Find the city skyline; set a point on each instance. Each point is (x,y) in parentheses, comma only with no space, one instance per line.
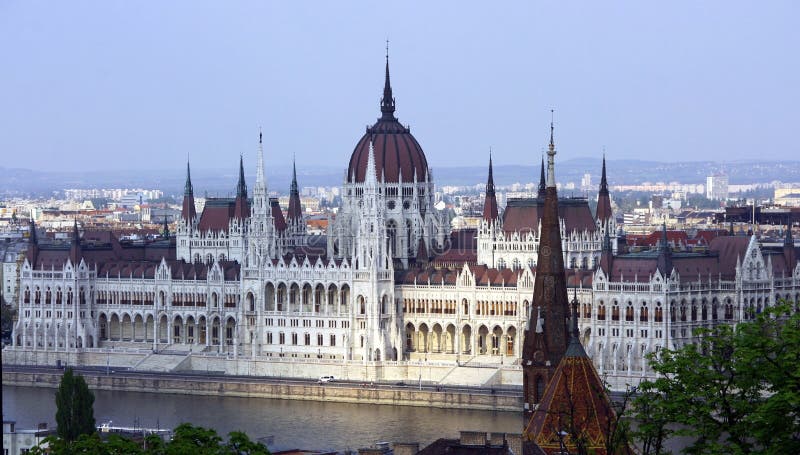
(650,83)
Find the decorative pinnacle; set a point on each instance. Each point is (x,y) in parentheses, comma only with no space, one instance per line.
(241,187)
(490,180)
(387,102)
(551,153)
(603,181)
(293,189)
(187,188)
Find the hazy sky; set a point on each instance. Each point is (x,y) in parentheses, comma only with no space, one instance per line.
(139,85)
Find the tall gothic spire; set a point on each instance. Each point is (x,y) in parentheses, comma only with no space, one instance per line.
(187,187)
(543,351)
(542,184)
(260,199)
(371,177)
(241,186)
(188,212)
(490,211)
(295,211)
(603,212)
(603,181)
(387,102)
(260,180)
(241,208)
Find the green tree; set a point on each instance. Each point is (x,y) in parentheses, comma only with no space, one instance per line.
(7,313)
(239,443)
(74,412)
(737,391)
(191,439)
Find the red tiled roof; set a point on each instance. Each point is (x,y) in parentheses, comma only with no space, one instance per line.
(523,215)
(216,215)
(396,152)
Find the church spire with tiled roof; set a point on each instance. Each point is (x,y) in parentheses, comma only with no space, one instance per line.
(542,350)
(575,412)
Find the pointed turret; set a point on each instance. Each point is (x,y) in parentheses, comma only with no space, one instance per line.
(75,245)
(188,212)
(543,351)
(371,178)
(490,212)
(295,211)
(260,201)
(241,186)
(241,209)
(603,199)
(542,184)
(387,101)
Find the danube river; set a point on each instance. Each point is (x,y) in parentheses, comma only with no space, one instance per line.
(292,424)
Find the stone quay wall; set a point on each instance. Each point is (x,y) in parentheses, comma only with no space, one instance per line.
(241,387)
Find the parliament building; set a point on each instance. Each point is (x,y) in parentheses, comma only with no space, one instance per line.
(391,281)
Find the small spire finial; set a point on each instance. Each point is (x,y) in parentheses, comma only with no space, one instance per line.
(551,153)
(259,135)
(387,49)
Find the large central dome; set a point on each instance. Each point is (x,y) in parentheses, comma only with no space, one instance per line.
(398,156)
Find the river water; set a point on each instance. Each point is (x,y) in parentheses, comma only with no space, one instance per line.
(293,424)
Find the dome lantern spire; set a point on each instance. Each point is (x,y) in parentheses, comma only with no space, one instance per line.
(387,102)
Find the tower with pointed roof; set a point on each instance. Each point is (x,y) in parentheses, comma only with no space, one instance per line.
(490,212)
(546,337)
(296,229)
(604,216)
(187,225)
(542,185)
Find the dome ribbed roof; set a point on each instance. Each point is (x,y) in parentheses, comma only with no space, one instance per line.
(397,152)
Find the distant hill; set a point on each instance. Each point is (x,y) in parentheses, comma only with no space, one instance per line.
(216,182)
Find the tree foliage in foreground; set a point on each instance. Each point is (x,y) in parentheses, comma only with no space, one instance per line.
(736,392)
(187,439)
(74,407)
